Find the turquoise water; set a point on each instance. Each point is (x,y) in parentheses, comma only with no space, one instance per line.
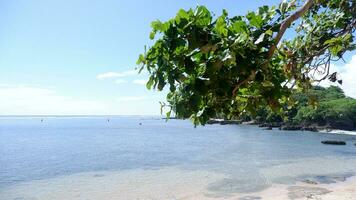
(252,159)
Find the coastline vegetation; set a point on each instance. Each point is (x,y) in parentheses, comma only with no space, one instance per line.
(330,109)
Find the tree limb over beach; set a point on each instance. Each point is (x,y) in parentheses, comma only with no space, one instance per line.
(234,65)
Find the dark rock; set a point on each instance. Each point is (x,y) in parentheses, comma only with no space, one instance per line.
(214,121)
(268,128)
(273,125)
(331,179)
(290,128)
(333,142)
(264,125)
(169,118)
(345,124)
(313,129)
(223,122)
(310,182)
(211,122)
(230,122)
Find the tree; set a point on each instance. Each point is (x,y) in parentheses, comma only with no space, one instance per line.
(337,113)
(234,65)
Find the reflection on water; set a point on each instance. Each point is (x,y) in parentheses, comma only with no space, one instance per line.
(235,158)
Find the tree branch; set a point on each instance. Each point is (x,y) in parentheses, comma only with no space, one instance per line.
(287,22)
(284,26)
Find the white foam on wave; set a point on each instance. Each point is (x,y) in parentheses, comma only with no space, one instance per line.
(340,132)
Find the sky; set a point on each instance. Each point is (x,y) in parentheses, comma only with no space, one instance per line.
(78,57)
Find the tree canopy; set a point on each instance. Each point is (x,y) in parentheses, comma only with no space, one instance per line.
(234,65)
(334,110)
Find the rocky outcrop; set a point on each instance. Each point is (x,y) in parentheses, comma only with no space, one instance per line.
(334,142)
(273,125)
(346,124)
(290,128)
(298,127)
(223,122)
(312,128)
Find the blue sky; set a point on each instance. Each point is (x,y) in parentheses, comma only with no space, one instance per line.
(77,57)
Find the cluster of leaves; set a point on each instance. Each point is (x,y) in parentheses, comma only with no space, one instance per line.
(222,64)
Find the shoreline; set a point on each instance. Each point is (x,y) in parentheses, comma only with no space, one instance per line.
(308,190)
(284,127)
(171,183)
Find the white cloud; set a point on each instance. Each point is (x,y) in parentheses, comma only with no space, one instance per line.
(139,81)
(109,75)
(18,100)
(119,81)
(347,73)
(37,100)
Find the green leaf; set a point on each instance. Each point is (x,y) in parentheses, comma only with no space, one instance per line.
(334,50)
(152,35)
(168,114)
(182,14)
(267,84)
(283,6)
(255,20)
(150,83)
(220,26)
(159,26)
(269,32)
(203,16)
(140,59)
(239,26)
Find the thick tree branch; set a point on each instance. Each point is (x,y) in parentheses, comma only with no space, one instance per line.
(287,22)
(284,26)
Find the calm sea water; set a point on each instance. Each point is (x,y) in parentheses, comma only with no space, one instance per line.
(251,158)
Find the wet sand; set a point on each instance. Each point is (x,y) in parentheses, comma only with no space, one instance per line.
(167,183)
(344,190)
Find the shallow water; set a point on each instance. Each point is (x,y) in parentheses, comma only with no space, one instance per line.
(240,158)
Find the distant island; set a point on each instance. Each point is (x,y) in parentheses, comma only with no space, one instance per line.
(317,109)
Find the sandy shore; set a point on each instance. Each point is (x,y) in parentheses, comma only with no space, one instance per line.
(163,184)
(344,190)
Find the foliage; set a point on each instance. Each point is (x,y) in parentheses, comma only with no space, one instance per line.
(333,109)
(339,113)
(224,64)
(333,106)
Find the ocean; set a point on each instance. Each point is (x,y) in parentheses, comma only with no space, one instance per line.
(94,155)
